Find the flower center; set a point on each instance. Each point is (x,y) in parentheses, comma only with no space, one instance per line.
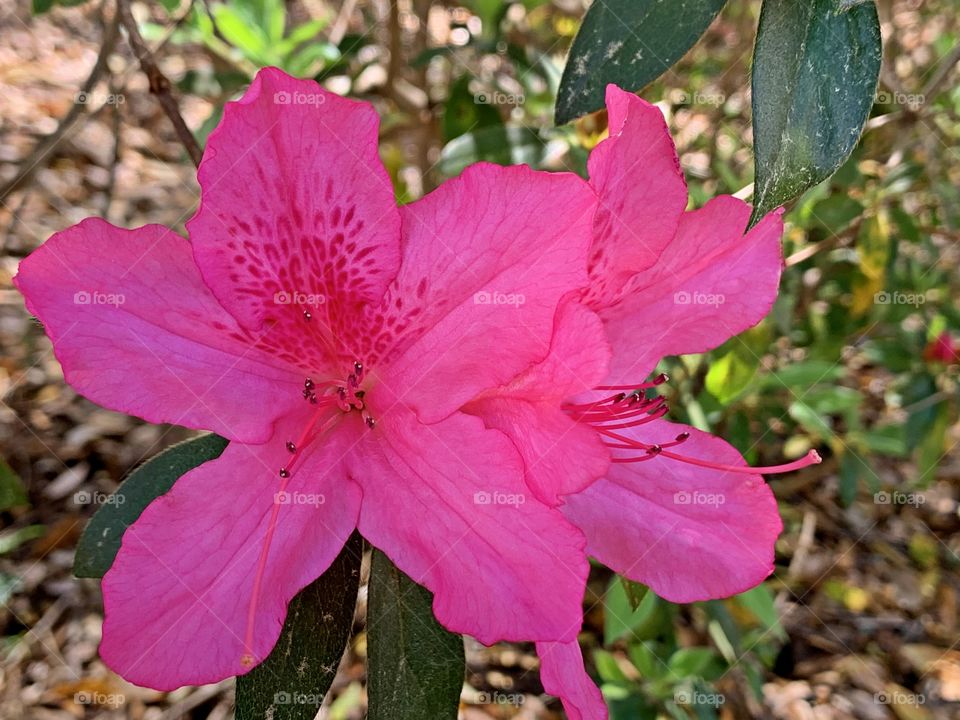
(629,407)
(333,400)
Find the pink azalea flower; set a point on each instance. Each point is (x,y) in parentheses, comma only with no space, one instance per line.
(333,339)
(676,509)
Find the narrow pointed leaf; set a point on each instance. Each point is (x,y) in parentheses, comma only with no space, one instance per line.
(292,682)
(815,70)
(415,666)
(630,43)
(100,541)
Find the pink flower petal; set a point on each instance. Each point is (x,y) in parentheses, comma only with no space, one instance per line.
(297,214)
(136,330)
(447,503)
(641,193)
(711,284)
(559,455)
(487,257)
(690,533)
(563,675)
(177,598)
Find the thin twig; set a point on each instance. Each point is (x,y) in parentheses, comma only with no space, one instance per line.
(42,150)
(159,83)
(941,74)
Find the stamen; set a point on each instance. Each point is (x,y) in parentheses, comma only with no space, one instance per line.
(633,409)
(811,458)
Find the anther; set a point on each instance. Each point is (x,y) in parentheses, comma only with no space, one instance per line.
(682,436)
(308,384)
(284,473)
(654,450)
(371,423)
(307,315)
(291,447)
(358,367)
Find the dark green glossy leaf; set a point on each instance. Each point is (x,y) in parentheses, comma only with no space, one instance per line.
(415,666)
(815,70)
(100,541)
(292,682)
(629,43)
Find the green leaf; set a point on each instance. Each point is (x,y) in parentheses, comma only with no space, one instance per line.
(731,374)
(497,144)
(760,602)
(629,43)
(815,70)
(934,447)
(292,682)
(12,492)
(689,662)
(415,666)
(620,617)
(100,541)
(10,541)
